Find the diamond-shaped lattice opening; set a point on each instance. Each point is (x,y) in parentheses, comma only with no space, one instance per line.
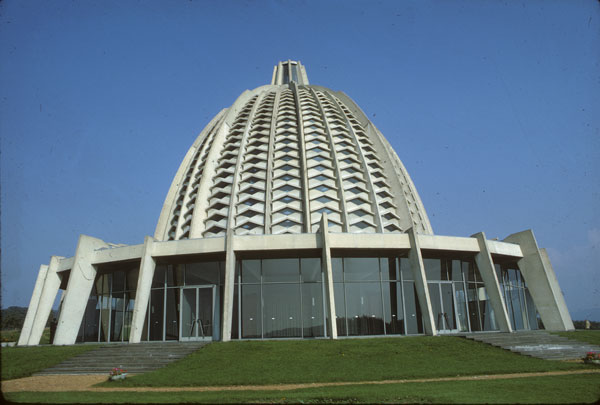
(324,199)
(358,201)
(360,213)
(362,225)
(392,228)
(216,217)
(321,177)
(318,158)
(287,177)
(214,229)
(287,199)
(348,161)
(253,180)
(286,141)
(384,194)
(287,149)
(289,211)
(220,195)
(251,201)
(287,167)
(350,170)
(287,188)
(287,158)
(324,209)
(389,216)
(345,152)
(317,150)
(249,226)
(355,190)
(249,214)
(386,204)
(320,168)
(323,188)
(288,223)
(353,180)
(315,141)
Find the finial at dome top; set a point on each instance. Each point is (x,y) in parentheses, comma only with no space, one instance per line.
(289,71)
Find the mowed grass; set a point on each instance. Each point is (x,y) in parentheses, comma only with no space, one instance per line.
(275,362)
(18,362)
(541,390)
(587,336)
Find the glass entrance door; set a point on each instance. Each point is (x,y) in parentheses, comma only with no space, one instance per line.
(443,305)
(197,305)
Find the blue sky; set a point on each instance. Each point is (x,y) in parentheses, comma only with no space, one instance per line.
(493,107)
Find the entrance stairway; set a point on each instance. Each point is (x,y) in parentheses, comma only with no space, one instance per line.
(135,358)
(538,344)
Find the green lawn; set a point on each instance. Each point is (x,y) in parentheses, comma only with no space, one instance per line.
(12,335)
(20,362)
(297,361)
(587,336)
(544,390)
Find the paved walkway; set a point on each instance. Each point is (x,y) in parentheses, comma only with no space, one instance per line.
(55,383)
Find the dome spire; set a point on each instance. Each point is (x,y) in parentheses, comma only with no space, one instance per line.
(289,71)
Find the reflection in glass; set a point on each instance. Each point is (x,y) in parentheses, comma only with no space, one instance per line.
(156,314)
(394,313)
(414,321)
(311,269)
(340,308)
(251,271)
(364,309)
(312,309)
(337,269)
(461,308)
(251,311)
(361,268)
(281,310)
(172,319)
(280,270)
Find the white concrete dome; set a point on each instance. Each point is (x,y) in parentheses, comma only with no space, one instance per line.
(281,156)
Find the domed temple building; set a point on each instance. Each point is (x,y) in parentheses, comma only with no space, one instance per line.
(292,217)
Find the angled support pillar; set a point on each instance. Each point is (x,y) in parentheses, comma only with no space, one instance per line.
(229,287)
(541,280)
(327,270)
(81,281)
(142,293)
(33,306)
(485,264)
(418,269)
(47,297)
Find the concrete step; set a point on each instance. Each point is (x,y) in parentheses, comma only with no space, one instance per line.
(538,344)
(135,358)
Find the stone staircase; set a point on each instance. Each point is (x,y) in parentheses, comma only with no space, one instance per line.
(538,344)
(135,358)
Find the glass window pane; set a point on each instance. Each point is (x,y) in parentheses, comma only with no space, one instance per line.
(281,270)
(311,269)
(159,276)
(250,271)
(414,321)
(337,269)
(312,309)
(281,310)
(157,305)
(389,268)
(104,317)
(405,269)
(295,73)
(364,309)
(433,269)
(473,303)
(361,268)
(118,281)
(436,307)
(91,319)
(202,273)
(531,311)
(251,311)
(461,307)
(340,308)
(117,315)
(172,322)
(456,270)
(236,313)
(132,279)
(175,275)
(392,303)
(487,313)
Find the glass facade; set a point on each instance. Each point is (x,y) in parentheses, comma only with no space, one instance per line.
(278,298)
(286,298)
(521,310)
(109,311)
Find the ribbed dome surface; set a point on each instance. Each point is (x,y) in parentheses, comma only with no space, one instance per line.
(282,155)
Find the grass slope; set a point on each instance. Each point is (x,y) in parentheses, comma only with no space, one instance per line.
(18,362)
(587,336)
(541,390)
(273,362)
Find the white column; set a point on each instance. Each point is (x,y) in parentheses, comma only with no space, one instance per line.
(327,270)
(485,264)
(541,280)
(47,297)
(418,269)
(142,292)
(33,306)
(81,281)
(229,286)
